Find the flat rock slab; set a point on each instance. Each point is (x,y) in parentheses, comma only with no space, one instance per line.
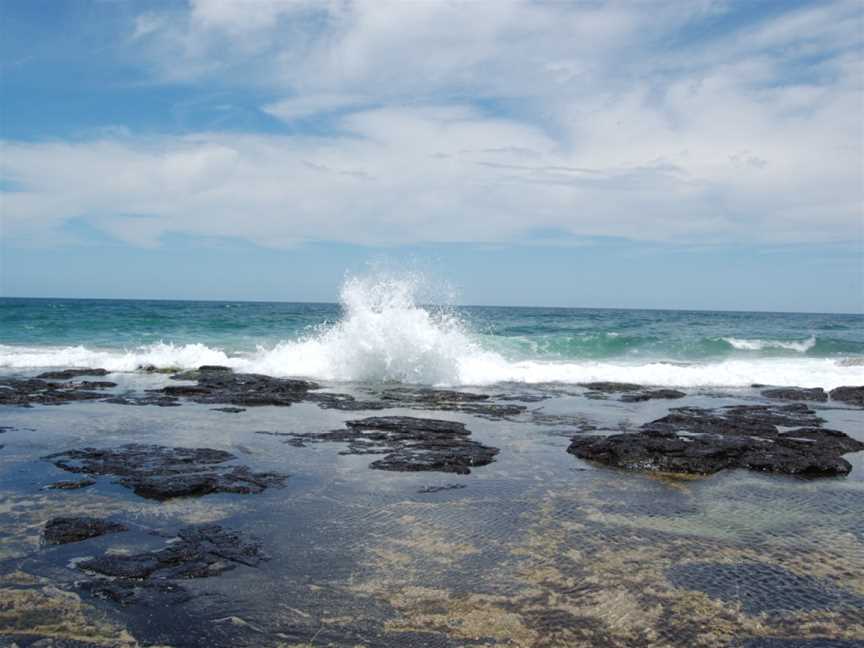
(758,420)
(851,395)
(68,374)
(420,398)
(703,441)
(220,385)
(797,394)
(629,392)
(63,530)
(407,443)
(160,472)
(73,484)
(149,578)
(709,453)
(35,391)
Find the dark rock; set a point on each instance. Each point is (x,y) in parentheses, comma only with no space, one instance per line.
(229,410)
(71,485)
(197,552)
(159,472)
(449,401)
(830,439)
(758,420)
(408,444)
(93,384)
(652,394)
(425,395)
(147,578)
(66,374)
(796,393)
(26,392)
(158,400)
(809,453)
(439,489)
(703,441)
(221,386)
(62,530)
(345,402)
(611,387)
(126,592)
(851,395)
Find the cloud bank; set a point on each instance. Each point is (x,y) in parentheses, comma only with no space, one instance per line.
(414,122)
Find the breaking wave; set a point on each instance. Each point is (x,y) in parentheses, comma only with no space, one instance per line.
(386,335)
(801,346)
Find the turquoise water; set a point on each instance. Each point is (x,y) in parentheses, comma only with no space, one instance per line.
(381,332)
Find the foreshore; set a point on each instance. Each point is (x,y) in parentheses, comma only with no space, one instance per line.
(213,508)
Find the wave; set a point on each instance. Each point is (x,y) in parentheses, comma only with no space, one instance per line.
(440,366)
(760,345)
(384,335)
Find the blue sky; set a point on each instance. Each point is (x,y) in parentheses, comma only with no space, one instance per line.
(634,154)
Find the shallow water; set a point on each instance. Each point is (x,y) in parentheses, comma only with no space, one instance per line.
(538,548)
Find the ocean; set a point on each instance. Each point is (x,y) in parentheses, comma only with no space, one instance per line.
(382,332)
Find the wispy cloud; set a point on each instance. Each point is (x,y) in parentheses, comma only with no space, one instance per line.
(475,121)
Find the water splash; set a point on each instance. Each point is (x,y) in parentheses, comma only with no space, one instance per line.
(384,335)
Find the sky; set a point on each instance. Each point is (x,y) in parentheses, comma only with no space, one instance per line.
(651,153)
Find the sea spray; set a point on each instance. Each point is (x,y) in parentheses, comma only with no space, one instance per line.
(384,336)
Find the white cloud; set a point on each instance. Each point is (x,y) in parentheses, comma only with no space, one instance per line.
(478,121)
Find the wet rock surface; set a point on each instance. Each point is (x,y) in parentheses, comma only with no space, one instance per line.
(796,393)
(760,587)
(736,419)
(68,374)
(702,441)
(160,472)
(35,391)
(628,392)
(63,530)
(73,484)
(139,400)
(408,444)
(220,385)
(851,395)
(150,577)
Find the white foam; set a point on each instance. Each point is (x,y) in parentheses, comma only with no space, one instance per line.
(385,335)
(162,355)
(758,345)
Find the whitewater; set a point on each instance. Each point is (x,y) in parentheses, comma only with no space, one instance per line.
(382,332)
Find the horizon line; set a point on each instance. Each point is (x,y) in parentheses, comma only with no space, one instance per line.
(336,303)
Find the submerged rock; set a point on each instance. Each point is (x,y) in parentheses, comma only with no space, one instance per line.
(762,588)
(796,393)
(851,395)
(652,394)
(158,400)
(408,444)
(147,578)
(629,392)
(63,530)
(159,472)
(71,485)
(697,440)
(611,387)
